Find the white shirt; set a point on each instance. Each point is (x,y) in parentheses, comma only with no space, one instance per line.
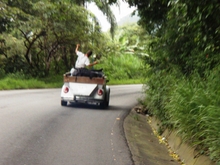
(82,60)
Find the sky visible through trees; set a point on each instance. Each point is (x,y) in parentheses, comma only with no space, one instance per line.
(119,13)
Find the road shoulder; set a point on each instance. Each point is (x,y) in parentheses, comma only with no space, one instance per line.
(144,145)
(148,148)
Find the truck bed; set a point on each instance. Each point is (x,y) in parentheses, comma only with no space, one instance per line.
(81,79)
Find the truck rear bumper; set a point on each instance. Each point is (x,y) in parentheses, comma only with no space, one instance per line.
(82,99)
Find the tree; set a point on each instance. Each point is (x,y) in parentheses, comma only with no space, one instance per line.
(50,35)
(55,31)
(187,32)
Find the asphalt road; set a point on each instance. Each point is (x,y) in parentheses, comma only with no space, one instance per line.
(36,130)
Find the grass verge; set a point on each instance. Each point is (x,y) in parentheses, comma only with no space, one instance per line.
(9,83)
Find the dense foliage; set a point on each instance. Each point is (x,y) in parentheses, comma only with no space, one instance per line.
(38,40)
(187,33)
(184,58)
(39,36)
(125,61)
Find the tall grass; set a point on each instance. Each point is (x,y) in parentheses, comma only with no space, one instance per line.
(158,88)
(194,110)
(191,106)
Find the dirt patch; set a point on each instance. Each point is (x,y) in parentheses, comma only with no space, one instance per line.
(148,148)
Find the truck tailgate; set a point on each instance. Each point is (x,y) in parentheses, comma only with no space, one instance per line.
(81,88)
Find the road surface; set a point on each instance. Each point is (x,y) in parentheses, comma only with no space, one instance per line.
(36,130)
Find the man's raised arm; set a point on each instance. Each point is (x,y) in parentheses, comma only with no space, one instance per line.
(77,47)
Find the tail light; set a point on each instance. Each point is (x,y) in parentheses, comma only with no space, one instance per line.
(66,90)
(100,92)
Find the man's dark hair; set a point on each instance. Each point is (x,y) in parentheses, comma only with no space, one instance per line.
(89,53)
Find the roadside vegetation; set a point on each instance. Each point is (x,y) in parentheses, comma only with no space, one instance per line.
(174,51)
(183,75)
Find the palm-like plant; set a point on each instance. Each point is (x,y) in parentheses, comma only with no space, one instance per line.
(104,7)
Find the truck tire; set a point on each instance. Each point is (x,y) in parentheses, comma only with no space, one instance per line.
(105,103)
(63,103)
(108,98)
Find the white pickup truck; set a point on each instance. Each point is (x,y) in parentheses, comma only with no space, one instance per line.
(85,90)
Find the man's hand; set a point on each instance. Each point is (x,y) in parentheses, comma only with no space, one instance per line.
(77,47)
(96,62)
